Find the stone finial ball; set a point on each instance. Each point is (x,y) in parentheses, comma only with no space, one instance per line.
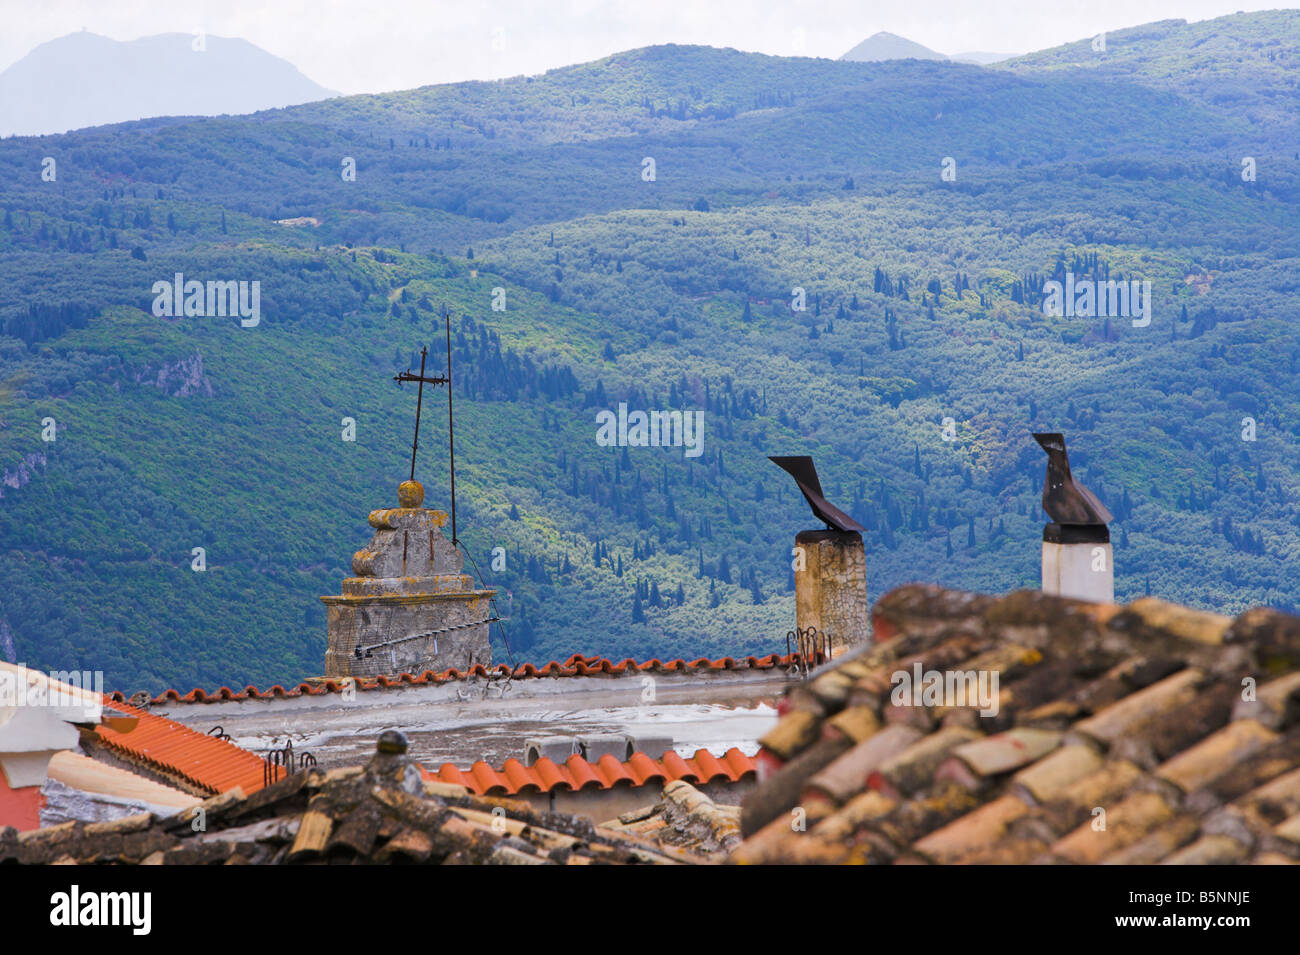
(410,494)
(392,741)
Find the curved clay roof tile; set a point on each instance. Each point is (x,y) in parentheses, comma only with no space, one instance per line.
(551,776)
(612,771)
(641,767)
(677,768)
(584,774)
(522,779)
(487,780)
(708,768)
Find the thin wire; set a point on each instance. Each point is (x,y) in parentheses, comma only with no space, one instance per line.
(492,602)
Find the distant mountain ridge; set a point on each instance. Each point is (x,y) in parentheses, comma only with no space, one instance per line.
(84,79)
(980,58)
(889,46)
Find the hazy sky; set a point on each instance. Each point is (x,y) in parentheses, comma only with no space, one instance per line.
(366,46)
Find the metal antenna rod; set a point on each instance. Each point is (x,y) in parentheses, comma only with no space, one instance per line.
(419,401)
(451,432)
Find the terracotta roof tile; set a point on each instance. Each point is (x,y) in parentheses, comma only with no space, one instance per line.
(1007,751)
(577,774)
(1138,711)
(1215,754)
(794,731)
(518,777)
(612,771)
(974,830)
(1209,850)
(205,763)
(641,767)
(1289,829)
(848,774)
(1125,823)
(1050,777)
(576,665)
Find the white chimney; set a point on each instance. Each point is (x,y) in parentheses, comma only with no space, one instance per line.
(1077,556)
(1078,565)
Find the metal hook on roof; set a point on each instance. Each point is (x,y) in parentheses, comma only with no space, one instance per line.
(279,763)
(807,648)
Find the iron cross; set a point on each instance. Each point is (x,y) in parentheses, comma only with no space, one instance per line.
(419,401)
(451,426)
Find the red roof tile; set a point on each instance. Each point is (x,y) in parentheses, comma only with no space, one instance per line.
(576,665)
(205,762)
(606,773)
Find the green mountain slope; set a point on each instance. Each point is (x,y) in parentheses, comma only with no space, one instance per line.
(922,302)
(1248,63)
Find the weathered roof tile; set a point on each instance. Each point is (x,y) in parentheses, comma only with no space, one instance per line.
(975,830)
(1052,776)
(1209,850)
(1127,714)
(1158,844)
(1124,824)
(793,732)
(1126,711)
(912,769)
(1220,751)
(1007,751)
(1276,703)
(848,775)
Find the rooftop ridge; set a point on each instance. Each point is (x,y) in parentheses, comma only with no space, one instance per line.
(576,665)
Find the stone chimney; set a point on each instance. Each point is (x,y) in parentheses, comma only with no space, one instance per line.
(1077,557)
(409,608)
(830,566)
(830,593)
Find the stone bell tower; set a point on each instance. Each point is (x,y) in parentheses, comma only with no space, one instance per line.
(409,608)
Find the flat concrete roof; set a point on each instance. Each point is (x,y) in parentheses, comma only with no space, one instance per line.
(464,722)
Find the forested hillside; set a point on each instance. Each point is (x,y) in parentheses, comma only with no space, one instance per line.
(647,227)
